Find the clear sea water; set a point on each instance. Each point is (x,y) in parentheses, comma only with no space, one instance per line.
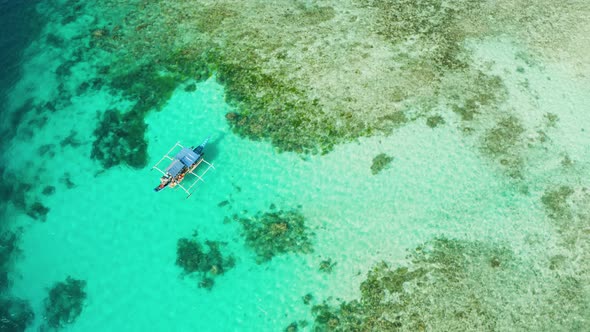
(111,230)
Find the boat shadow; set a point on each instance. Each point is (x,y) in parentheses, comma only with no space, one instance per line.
(212,148)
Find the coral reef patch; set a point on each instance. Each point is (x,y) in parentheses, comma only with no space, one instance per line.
(16,191)
(327,265)
(192,258)
(457,285)
(64,303)
(276,232)
(380,162)
(503,142)
(120,139)
(314,74)
(15,314)
(568,208)
(8,250)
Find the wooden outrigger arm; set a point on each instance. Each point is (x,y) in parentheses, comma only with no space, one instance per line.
(166,156)
(198,177)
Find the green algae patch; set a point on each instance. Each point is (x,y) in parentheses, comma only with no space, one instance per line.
(504,142)
(388,123)
(211,18)
(433,23)
(120,139)
(435,121)
(380,162)
(454,285)
(65,302)
(275,233)
(505,135)
(474,93)
(556,202)
(568,208)
(313,14)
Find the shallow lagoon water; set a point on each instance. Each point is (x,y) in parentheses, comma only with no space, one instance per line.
(111,230)
(115,229)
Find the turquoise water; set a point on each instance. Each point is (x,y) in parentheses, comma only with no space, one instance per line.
(109,228)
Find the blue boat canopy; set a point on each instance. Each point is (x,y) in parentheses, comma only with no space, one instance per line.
(187,157)
(175,168)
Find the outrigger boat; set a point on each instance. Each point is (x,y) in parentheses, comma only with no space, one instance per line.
(183,163)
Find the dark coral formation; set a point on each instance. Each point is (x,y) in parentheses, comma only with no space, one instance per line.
(427,22)
(266,68)
(15,314)
(38,211)
(269,106)
(503,137)
(380,162)
(120,136)
(269,66)
(190,87)
(65,302)
(482,91)
(294,326)
(15,191)
(70,140)
(327,265)
(8,249)
(12,190)
(504,142)
(281,114)
(48,190)
(148,78)
(568,208)
(66,180)
(435,121)
(145,85)
(192,258)
(120,139)
(274,233)
(556,202)
(453,285)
